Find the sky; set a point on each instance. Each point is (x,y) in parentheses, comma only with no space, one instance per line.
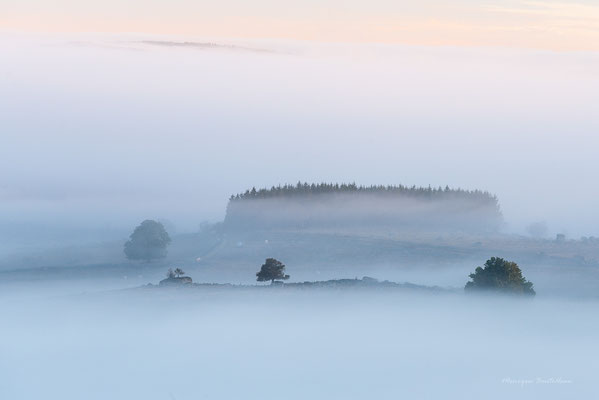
(103,128)
(557,25)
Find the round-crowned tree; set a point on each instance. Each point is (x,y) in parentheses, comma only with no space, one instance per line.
(147,242)
(271,270)
(500,275)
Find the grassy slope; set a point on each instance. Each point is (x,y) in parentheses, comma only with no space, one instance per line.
(315,255)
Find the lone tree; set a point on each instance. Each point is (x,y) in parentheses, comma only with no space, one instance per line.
(500,275)
(179,272)
(272,270)
(147,242)
(170,274)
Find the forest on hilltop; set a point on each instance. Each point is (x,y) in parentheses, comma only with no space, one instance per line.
(306,189)
(329,205)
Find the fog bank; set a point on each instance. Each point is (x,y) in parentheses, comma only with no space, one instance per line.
(301,344)
(104,131)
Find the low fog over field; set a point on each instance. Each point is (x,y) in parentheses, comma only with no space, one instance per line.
(272,344)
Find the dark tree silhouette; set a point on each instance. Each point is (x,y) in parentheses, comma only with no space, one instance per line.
(272,270)
(170,274)
(500,275)
(309,190)
(179,272)
(148,242)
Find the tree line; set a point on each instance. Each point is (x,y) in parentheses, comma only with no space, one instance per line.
(306,189)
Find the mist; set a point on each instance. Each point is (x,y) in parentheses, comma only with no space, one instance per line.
(116,146)
(272,344)
(102,131)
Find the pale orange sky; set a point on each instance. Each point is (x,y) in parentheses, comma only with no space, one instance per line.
(553,25)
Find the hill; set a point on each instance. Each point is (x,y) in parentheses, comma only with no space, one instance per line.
(348,206)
